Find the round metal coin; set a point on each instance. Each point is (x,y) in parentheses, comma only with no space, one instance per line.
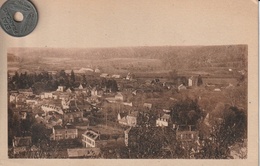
(11,25)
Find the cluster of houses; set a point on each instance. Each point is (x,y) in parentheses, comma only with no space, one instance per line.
(22,98)
(63,112)
(128,120)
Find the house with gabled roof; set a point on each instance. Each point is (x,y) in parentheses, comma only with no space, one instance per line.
(181,87)
(61,88)
(96,92)
(163,120)
(132,118)
(186,133)
(119,96)
(64,132)
(80,86)
(20,98)
(129,119)
(121,117)
(46,95)
(98,138)
(21,144)
(12,97)
(72,116)
(89,138)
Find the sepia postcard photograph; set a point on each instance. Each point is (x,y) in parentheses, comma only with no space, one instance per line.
(158,82)
(130,102)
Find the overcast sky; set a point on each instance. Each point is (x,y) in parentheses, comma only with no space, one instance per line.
(111,23)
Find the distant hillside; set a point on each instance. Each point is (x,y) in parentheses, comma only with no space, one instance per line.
(137,58)
(12,58)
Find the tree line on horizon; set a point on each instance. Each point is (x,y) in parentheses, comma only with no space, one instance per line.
(47,82)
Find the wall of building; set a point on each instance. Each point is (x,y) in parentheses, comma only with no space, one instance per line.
(88,142)
(161,122)
(62,134)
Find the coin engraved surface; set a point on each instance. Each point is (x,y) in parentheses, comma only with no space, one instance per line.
(18,28)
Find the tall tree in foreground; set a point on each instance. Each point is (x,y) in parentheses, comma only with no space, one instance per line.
(228,130)
(186,112)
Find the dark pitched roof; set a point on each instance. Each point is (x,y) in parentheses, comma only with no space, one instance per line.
(65,127)
(123,114)
(92,134)
(70,127)
(185,128)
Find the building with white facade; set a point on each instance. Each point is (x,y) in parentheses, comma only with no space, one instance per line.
(89,138)
(163,120)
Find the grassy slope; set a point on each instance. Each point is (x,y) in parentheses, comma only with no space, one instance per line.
(145,59)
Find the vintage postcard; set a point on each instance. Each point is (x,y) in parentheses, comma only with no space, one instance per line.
(169,82)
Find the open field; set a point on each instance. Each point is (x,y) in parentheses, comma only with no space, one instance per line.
(187,60)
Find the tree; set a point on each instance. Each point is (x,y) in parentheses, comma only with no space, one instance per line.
(62,74)
(186,112)
(234,127)
(110,84)
(72,77)
(147,142)
(26,124)
(226,131)
(170,143)
(173,74)
(15,77)
(67,81)
(114,87)
(38,87)
(200,82)
(22,82)
(48,86)
(39,133)
(84,80)
(13,126)
(237,96)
